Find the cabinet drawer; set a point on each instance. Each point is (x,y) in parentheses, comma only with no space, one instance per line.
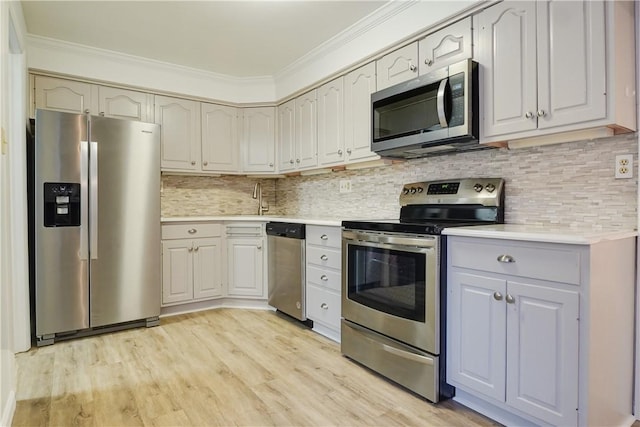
(323,306)
(324,277)
(324,257)
(190,231)
(324,236)
(548,262)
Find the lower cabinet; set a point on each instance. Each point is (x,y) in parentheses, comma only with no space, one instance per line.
(245,260)
(323,279)
(538,330)
(191,267)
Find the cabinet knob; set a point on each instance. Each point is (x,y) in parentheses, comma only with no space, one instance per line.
(339,152)
(259,247)
(270,165)
(528,114)
(190,249)
(324,237)
(429,62)
(506,259)
(324,257)
(509,299)
(102,113)
(196,248)
(205,163)
(324,306)
(324,278)
(297,160)
(87,111)
(291,161)
(348,150)
(413,67)
(541,113)
(497,296)
(192,231)
(193,162)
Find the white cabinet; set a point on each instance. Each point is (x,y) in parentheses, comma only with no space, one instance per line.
(526,319)
(358,87)
(220,144)
(191,263)
(258,140)
(65,95)
(245,260)
(446,46)
(398,66)
(553,66)
(297,133)
(125,104)
(331,123)
(179,133)
(324,278)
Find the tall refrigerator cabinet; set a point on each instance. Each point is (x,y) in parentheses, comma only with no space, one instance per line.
(94,202)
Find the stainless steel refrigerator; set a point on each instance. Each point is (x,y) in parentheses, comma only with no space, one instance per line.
(95,224)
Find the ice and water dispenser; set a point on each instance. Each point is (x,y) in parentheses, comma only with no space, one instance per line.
(61,204)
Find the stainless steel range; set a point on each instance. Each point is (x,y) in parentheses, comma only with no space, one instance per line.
(394,285)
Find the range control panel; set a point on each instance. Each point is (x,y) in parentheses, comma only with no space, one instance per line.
(480,191)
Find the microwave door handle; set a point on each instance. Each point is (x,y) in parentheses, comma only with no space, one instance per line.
(442,115)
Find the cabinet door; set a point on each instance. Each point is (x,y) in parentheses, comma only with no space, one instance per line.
(207,268)
(177,271)
(571,62)
(446,46)
(258,140)
(507,56)
(64,95)
(542,352)
(398,66)
(286,136)
(331,123)
(358,87)
(245,267)
(219,138)
(179,133)
(476,326)
(125,104)
(306,130)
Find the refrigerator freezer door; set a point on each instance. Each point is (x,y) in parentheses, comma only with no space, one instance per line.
(125,271)
(61,272)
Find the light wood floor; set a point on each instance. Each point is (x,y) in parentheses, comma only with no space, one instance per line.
(221,367)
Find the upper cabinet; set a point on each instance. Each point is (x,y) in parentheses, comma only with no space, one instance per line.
(398,66)
(77,97)
(220,144)
(358,87)
(286,136)
(555,66)
(179,133)
(445,47)
(258,140)
(298,133)
(331,123)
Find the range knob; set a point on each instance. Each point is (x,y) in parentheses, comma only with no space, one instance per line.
(405,191)
(413,190)
(490,188)
(420,189)
(478,188)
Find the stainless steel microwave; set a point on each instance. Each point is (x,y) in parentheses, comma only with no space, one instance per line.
(432,114)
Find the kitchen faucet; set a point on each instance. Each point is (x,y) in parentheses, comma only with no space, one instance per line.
(257,194)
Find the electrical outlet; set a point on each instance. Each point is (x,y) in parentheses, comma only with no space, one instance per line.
(624,166)
(345,186)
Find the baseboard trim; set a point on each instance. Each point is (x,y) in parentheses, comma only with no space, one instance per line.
(8,410)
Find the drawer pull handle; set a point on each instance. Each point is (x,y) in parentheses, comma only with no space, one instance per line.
(324,278)
(324,306)
(509,299)
(497,296)
(192,231)
(324,257)
(506,259)
(324,237)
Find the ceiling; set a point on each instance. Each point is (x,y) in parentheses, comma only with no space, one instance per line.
(235,38)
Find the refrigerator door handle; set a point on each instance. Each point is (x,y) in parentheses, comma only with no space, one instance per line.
(84,200)
(93,198)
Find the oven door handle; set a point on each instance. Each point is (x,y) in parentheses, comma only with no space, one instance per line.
(408,355)
(428,242)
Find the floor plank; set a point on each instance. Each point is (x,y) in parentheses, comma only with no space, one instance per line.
(220,367)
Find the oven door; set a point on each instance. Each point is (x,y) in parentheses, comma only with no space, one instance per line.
(390,285)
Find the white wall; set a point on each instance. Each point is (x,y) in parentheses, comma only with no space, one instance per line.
(13,273)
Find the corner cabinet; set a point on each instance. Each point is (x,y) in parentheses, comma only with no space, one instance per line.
(245,260)
(531,83)
(529,327)
(179,133)
(258,139)
(297,133)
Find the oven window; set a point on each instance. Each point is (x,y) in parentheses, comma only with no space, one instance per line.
(391,281)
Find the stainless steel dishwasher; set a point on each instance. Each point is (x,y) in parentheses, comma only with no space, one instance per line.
(286,242)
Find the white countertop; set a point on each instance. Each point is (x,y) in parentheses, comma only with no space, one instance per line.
(537,233)
(254,218)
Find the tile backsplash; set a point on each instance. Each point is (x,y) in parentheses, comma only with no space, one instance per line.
(571,184)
